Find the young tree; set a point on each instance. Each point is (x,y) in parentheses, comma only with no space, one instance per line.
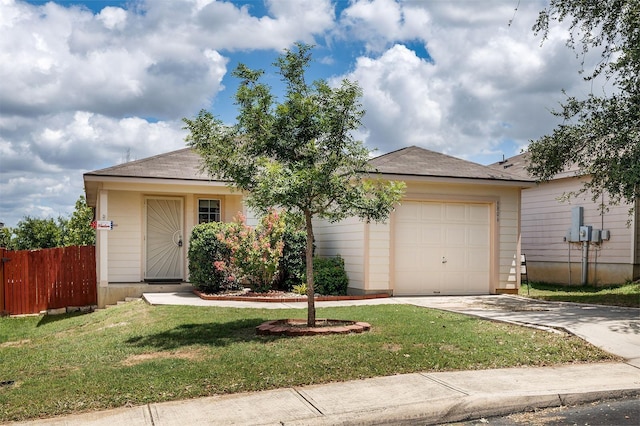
(33,233)
(78,231)
(299,154)
(5,238)
(601,134)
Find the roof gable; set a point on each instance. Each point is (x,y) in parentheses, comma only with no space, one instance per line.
(518,164)
(183,164)
(416,161)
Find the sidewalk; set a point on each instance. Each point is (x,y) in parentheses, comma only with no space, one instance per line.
(418,398)
(424,398)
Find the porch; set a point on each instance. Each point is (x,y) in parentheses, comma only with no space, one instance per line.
(115,292)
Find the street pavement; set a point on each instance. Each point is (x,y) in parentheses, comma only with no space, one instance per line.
(624,412)
(418,398)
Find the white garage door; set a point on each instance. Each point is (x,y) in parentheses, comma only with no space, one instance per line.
(442,248)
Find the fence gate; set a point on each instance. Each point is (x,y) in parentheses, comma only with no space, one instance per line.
(37,280)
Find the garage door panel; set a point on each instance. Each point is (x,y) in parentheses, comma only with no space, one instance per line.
(408,236)
(455,213)
(442,248)
(432,235)
(478,260)
(477,236)
(408,212)
(408,262)
(455,236)
(430,212)
(478,213)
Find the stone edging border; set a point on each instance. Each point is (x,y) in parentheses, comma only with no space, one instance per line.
(287,299)
(280,328)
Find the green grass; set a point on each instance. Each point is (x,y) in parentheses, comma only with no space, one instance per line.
(622,295)
(135,353)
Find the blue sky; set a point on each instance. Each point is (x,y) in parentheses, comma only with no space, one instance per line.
(87,84)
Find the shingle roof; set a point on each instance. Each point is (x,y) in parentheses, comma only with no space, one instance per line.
(416,161)
(183,164)
(517,165)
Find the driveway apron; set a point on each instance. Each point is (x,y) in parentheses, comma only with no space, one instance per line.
(614,329)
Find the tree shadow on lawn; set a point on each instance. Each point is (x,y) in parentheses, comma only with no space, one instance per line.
(212,334)
(623,300)
(48,319)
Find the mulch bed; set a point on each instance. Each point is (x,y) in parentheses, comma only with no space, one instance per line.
(280,297)
(298,327)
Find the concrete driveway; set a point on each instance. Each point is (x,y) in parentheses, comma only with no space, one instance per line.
(614,329)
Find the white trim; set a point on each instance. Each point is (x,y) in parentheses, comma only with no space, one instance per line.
(205,198)
(151,180)
(456,180)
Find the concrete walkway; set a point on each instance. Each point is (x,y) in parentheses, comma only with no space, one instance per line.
(418,398)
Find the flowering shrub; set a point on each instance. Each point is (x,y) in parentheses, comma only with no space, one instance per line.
(292,265)
(254,253)
(204,245)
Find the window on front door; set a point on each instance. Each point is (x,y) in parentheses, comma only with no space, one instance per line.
(208,211)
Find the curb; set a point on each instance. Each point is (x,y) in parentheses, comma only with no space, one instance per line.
(463,409)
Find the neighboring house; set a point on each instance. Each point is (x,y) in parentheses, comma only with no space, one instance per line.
(456,232)
(547,216)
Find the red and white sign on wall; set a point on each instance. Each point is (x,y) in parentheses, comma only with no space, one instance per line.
(102,225)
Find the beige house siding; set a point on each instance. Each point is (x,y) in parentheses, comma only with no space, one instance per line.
(546,217)
(378,261)
(125,250)
(125,202)
(637,237)
(368,249)
(347,239)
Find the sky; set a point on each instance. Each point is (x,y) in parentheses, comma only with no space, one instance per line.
(86,85)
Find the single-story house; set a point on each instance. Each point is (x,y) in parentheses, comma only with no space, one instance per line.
(552,253)
(457,230)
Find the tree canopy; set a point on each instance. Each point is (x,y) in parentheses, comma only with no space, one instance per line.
(299,154)
(601,133)
(33,233)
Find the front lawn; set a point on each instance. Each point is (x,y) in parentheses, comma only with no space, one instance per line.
(622,295)
(135,353)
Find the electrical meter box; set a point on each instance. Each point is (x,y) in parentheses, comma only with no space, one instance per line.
(595,236)
(576,223)
(585,233)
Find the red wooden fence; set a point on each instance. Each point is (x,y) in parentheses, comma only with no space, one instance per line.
(37,280)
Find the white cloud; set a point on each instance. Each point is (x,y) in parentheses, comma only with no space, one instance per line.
(42,169)
(486,86)
(404,103)
(79,89)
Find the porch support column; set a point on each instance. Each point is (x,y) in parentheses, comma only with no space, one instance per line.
(102,246)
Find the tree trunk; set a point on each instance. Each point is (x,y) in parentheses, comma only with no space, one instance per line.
(311,308)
